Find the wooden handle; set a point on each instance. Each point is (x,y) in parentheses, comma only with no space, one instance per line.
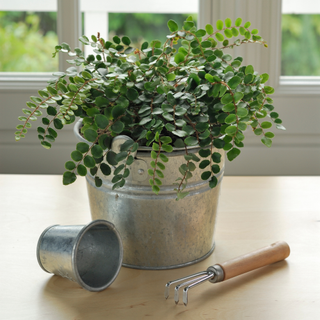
(273,253)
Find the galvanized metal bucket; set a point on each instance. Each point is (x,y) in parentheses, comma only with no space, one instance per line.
(90,255)
(157,231)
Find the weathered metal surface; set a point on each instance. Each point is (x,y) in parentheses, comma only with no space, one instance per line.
(159,232)
(90,255)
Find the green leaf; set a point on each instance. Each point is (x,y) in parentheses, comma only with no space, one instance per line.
(82,147)
(228,33)
(249,69)
(219,36)
(97,151)
(266,125)
(155,189)
(57,123)
(69,177)
(228,22)
(233,153)
(165,139)
(117,127)
(173,26)
(234,82)
(191,141)
(238,22)
(264,77)
(231,118)
(45,144)
(111,158)
(203,164)
(266,141)
(89,162)
(242,112)
(167,148)
(126,145)
(268,90)
(216,157)
(126,40)
(70,165)
(82,170)
(121,156)
(204,153)
(178,58)
(227,98)
(219,24)
(231,130)
(247,25)
(119,169)
(97,182)
(118,111)
(206,175)
(90,134)
(213,182)
(200,33)
(105,169)
(257,131)
(76,156)
(163,157)
(215,168)
(101,121)
(132,94)
(228,107)
(209,29)
(269,135)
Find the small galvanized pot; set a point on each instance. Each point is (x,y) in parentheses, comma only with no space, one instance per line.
(90,255)
(157,231)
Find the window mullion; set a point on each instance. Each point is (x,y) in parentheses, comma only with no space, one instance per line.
(68,26)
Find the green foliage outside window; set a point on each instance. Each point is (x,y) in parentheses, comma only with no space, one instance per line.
(300,55)
(26,45)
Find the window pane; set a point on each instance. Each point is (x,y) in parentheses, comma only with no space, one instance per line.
(27,41)
(300,38)
(139,20)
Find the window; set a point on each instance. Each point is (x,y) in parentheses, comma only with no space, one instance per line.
(28,34)
(300,38)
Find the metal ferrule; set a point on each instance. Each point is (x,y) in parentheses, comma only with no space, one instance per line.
(218,273)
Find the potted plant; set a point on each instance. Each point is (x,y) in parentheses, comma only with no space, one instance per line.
(182,98)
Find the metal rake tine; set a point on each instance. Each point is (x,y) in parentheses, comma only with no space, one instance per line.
(201,280)
(168,284)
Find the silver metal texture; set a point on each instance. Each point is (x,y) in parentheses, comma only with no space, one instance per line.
(218,273)
(90,255)
(157,231)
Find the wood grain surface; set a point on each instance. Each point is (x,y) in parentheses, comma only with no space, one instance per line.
(253,212)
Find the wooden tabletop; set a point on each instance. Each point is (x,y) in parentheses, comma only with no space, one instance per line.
(253,212)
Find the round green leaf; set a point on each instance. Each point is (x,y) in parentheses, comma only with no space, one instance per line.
(219,36)
(90,134)
(105,169)
(266,125)
(238,22)
(57,123)
(216,157)
(82,147)
(233,153)
(206,175)
(209,29)
(82,170)
(231,118)
(70,165)
(117,127)
(173,26)
(191,141)
(219,24)
(132,94)
(101,121)
(69,177)
(213,182)
(203,164)
(96,151)
(89,161)
(76,155)
(126,40)
(163,157)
